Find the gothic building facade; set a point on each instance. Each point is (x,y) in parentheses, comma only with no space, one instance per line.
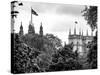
(80,41)
(31,29)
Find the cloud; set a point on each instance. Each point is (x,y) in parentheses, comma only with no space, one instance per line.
(61,9)
(56,18)
(70,9)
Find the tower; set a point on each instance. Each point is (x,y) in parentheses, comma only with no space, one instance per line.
(31,29)
(21,30)
(41,30)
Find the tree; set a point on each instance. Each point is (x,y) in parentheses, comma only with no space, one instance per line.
(43,61)
(92,56)
(64,59)
(46,45)
(90,14)
(24,57)
(56,42)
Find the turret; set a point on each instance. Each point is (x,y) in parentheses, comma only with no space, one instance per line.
(65,44)
(91,33)
(80,32)
(41,30)
(74,31)
(69,31)
(21,30)
(75,27)
(31,29)
(87,32)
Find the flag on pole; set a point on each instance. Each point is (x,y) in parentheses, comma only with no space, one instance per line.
(33,12)
(76,22)
(20,4)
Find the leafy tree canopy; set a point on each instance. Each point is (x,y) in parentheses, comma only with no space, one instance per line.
(90,14)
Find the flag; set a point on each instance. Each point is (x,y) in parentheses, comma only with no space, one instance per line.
(14,12)
(20,4)
(33,12)
(76,22)
(14,2)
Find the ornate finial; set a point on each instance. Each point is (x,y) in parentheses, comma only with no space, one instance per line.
(41,23)
(21,22)
(91,33)
(21,30)
(87,32)
(65,44)
(75,27)
(75,31)
(82,32)
(21,27)
(41,30)
(69,31)
(79,31)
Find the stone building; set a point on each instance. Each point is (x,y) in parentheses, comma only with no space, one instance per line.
(79,41)
(31,29)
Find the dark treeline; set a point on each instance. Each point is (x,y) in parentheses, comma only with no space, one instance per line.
(35,53)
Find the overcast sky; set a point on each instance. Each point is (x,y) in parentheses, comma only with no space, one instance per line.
(56,18)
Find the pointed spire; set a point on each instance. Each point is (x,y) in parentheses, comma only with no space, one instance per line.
(41,30)
(69,31)
(65,44)
(87,32)
(91,33)
(75,27)
(75,30)
(79,31)
(82,32)
(21,27)
(21,30)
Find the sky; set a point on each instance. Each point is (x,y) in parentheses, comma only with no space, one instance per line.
(56,18)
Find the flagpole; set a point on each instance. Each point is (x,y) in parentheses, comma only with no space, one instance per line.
(31,15)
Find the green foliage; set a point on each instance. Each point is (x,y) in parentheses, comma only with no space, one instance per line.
(92,56)
(56,42)
(34,53)
(65,59)
(23,57)
(90,14)
(44,60)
